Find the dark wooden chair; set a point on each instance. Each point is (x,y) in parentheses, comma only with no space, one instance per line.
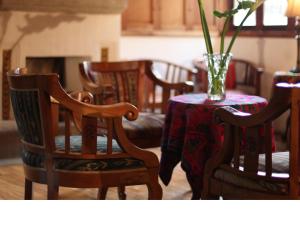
(79,161)
(246,167)
(247,76)
(135,82)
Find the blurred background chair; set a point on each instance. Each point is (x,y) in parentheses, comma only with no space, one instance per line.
(254,171)
(172,72)
(135,82)
(243,76)
(79,161)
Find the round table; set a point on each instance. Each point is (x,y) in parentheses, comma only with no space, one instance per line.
(191,137)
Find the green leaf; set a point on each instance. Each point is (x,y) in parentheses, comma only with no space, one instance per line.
(219,14)
(245,4)
(225,14)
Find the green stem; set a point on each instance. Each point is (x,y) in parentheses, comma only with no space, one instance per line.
(223,34)
(237,32)
(205,29)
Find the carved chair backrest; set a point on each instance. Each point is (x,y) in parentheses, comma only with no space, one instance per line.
(32,110)
(117,81)
(128,81)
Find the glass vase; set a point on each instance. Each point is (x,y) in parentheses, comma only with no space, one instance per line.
(217,66)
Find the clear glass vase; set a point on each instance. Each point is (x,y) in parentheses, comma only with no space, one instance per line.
(217,66)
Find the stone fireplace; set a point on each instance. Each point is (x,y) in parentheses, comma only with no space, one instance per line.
(69,30)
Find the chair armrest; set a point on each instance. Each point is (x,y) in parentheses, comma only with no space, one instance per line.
(229,115)
(267,114)
(82,96)
(107,111)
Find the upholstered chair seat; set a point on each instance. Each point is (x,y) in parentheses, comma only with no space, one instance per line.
(280,168)
(38,160)
(147,124)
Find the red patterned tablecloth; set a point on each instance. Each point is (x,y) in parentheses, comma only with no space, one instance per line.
(191,137)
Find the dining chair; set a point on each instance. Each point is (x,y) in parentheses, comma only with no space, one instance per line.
(246,167)
(246,76)
(78,161)
(135,82)
(172,72)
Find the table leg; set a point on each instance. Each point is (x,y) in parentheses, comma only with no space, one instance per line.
(196,185)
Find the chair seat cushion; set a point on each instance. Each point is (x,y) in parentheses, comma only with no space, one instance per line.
(146,125)
(38,160)
(280,169)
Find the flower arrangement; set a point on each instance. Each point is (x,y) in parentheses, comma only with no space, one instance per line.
(218,63)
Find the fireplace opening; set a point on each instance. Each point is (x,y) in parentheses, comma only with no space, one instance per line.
(45,65)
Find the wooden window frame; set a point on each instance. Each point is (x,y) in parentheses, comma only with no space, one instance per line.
(264,31)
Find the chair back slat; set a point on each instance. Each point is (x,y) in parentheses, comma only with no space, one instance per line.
(175,74)
(89,135)
(237,148)
(67,117)
(109,136)
(252,149)
(268,148)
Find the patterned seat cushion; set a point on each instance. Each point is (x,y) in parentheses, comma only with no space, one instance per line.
(280,169)
(38,160)
(146,125)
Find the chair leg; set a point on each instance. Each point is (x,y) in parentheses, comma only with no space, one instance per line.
(154,188)
(102,193)
(52,192)
(155,191)
(122,193)
(28,190)
(206,195)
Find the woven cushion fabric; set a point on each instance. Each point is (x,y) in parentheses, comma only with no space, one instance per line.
(280,169)
(27,113)
(38,160)
(146,125)
(75,143)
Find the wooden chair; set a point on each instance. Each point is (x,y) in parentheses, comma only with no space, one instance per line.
(247,76)
(172,72)
(246,167)
(81,161)
(137,83)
